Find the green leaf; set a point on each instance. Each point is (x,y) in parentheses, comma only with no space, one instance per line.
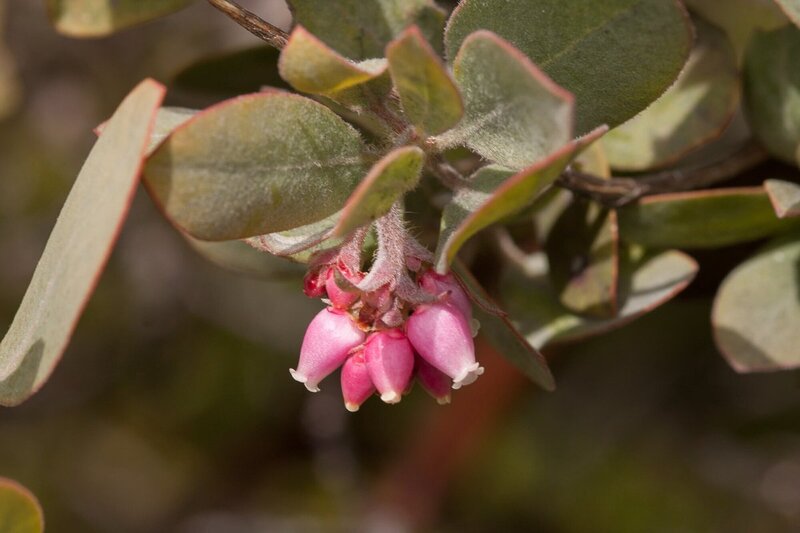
(785,197)
(78,248)
(311,66)
(240,257)
(494,193)
(389,179)
(231,74)
(501,333)
(772,90)
(361,29)
(646,282)
(298,244)
(514,114)
(167,120)
(615,56)
(791,8)
(20,511)
(757,310)
(701,219)
(256,164)
(691,113)
(428,94)
(98,18)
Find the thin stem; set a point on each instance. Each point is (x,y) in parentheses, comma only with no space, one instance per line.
(616,192)
(259,27)
(448,175)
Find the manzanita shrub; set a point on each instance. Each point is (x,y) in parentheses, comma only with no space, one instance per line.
(530,172)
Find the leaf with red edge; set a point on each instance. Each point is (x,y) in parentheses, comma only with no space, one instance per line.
(791,8)
(428,94)
(240,257)
(20,511)
(701,219)
(256,164)
(514,115)
(494,193)
(98,18)
(757,310)
(78,247)
(647,280)
(785,197)
(387,181)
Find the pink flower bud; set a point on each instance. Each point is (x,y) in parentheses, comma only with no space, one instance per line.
(328,339)
(441,335)
(433,380)
(340,298)
(436,284)
(390,361)
(357,386)
(314,282)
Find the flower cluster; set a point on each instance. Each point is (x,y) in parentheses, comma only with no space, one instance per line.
(383,338)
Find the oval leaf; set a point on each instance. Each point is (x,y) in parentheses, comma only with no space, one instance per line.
(253,165)
(701,219)
(428,94)
(514,114)
(785,197)
(388,180)
(495,192)
(757,310)
(20,511)
(298,243)
(772,90)
(361,29)
(692,112)
(791,8)
(646,282)
(238,256)
(98,18)
(78,248)
(615,56)
(310,66)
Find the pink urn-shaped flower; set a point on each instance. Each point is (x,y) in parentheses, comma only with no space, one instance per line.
(441,335)
(390,361)
(340,298)
(437,284)
(433,380)
(357,385)
(328,340)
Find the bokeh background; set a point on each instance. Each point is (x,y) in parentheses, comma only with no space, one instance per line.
(173,409)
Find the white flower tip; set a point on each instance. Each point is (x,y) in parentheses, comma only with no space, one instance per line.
(352,407)
(301,378)
(391,397)
(474,326)
(468,375)
(443,400)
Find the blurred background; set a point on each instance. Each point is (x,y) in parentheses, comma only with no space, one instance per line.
(173,409)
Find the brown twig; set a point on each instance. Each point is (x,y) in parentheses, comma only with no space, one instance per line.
(616,192)
(259,27)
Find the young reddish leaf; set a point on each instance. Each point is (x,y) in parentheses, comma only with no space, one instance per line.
(772,90)
(388,180)
(428,94)
(311,66)
(615,56)
(514,115)
(361,29)
(757,310)
(701,219)
(495,192)
(646,282)
(20,511)
(791,8)
(785,197)
(503,335)
(694,111)
(78,248)
(256,164)
(98,18)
